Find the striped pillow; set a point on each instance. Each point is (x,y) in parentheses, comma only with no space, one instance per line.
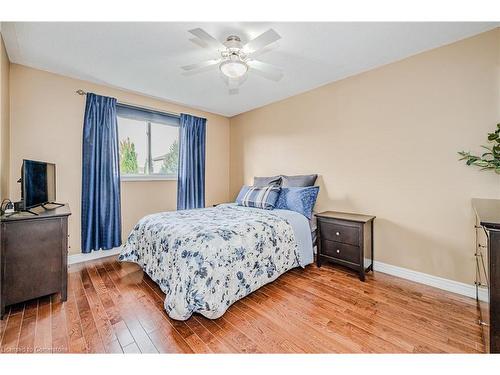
(258,197)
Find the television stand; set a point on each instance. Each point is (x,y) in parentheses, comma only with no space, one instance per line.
(21,211)
(34,256)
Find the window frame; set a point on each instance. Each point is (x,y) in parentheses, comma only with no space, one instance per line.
(147,122)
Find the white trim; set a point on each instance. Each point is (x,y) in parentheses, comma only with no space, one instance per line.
(148,177)
(463,289)
(79,258)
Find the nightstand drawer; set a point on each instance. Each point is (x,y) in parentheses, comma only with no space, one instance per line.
(340,251)
(339,233)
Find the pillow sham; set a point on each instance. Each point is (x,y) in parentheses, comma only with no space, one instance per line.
(298,199)
(266,181)
(258,197)
(299,180)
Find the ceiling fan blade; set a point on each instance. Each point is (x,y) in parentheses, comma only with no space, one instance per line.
(264,39)
(209,40)
(266,70)
(261,51)
(201,65)
(199,42)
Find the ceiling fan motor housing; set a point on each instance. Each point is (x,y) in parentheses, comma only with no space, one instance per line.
(233,41)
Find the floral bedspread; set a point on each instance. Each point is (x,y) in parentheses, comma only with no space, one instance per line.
(206,259)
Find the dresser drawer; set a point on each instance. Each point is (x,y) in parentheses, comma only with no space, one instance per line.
(339,233)
(340,251)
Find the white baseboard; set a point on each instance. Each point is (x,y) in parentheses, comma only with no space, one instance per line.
(467,290)
(79,258)
(405,273)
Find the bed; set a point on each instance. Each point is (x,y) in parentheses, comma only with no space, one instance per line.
(206,259)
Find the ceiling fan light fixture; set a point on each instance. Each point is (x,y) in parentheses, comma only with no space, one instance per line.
(233,68)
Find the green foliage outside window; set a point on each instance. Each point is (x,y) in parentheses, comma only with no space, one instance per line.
(128,157)
(171,160)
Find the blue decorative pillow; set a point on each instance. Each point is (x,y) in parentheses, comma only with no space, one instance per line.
(258,197)
(299,199)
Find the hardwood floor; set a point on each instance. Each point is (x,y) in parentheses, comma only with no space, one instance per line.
(113,308)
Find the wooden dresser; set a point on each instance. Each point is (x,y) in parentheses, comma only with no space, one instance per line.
(33,255)
(345,239)
(487,254)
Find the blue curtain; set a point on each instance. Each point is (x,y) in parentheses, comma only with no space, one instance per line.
(101,217)
(191,179)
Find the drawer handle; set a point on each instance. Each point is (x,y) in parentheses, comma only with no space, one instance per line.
(482,323)
(338,233)
(338,251)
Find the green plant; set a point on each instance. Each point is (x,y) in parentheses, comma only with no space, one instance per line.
(128,157)
(171,160)
(488,160)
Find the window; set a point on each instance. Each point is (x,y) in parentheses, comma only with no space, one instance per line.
(149,143)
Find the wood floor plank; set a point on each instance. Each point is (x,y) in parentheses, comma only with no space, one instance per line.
(60,342)
(114,348)
(149,295)
(123,334)
(3,324)
(132,348)
(114,307)
(43,334)
(134,316)
(89,328)
(386,310)
(10,338)
(215,345)
(103,323)
(287,341)
(76,341)
(28,328)
(337,321)
(300,322)
(184,335)
(341,315)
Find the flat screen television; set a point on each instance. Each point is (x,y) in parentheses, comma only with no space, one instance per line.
(38,181)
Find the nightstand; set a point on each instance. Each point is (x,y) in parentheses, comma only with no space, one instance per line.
(346,239)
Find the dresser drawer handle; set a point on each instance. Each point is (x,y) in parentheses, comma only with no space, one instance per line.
(481,323)
(338,251)
(338,233)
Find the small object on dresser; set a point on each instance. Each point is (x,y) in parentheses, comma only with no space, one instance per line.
(345,239)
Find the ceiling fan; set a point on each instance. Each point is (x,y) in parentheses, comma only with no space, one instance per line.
(234,59)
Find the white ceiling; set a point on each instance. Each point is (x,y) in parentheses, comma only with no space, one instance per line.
(146,57)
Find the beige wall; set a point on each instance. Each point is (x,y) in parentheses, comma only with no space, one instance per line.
(46,124)
(4,121)
(385,142)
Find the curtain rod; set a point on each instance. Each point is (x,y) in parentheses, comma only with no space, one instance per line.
(81,92)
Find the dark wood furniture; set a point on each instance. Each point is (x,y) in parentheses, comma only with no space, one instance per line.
(487,254)
(345,239)
(33,255)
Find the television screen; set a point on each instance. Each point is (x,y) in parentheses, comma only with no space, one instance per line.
(39,183)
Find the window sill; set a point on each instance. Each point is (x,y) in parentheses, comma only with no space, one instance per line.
(147,178)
